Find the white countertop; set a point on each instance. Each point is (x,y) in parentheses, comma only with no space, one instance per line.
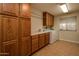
(41,32)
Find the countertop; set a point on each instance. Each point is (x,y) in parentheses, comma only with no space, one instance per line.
(41,32)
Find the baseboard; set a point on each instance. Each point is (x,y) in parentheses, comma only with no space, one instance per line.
(71,41)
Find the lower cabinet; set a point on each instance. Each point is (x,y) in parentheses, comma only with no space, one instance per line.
(41,42)
(47,38)
(10,48)
(34,43)
(25,46)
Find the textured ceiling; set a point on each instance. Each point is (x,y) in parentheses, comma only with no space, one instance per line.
(54,8)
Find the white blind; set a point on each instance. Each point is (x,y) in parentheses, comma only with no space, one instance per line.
(68,23)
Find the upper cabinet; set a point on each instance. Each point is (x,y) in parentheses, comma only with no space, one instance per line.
(15,9)
(48,19)
(9,8)
(25,10)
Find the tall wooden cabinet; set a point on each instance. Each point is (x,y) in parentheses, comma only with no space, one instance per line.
(9,34)
(15,29)
(25,42)
(25,29)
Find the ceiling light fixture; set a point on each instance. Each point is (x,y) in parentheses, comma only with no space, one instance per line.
(64,8)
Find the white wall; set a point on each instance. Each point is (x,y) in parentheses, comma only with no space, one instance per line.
(72,36)
(36,20)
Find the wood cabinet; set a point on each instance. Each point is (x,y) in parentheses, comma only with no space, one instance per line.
(10,48)
(10,28)
(0,7)
(10,8)
(25,30)
(25,26)
(48,19)
(9,35)
(15,31)
(47,38)
(41,41)
(25,46)
(25,10)
(34,43)
(25,39)
(0,33)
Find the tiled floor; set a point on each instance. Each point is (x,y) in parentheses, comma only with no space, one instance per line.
(59,48)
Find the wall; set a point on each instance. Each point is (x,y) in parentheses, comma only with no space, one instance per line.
(72,36)
(36,20)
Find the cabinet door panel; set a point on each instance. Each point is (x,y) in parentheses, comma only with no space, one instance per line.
(0,7)
(25,10)
(25,41)
(48,19)
(10,8)
(46,38)
(41,40)
(26,46)
(0,32)
(25,27)
(10,28)
(34,43)
(10,48)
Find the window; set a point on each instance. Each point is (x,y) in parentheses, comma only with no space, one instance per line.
(68,23)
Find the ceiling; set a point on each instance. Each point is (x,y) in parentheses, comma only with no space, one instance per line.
(54,8)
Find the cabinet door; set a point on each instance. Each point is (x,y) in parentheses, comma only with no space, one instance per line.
(52,20)
(10,28)
(0,33)
(46,38)
(47,19)
(10,48)
(10,8)
(25,46)
(0,7)
(41,41)
(25,10)
(25,42)
(25,27)
(34,43)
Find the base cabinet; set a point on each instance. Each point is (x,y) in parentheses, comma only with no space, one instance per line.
(41,40)
(34,43)
(47,38)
